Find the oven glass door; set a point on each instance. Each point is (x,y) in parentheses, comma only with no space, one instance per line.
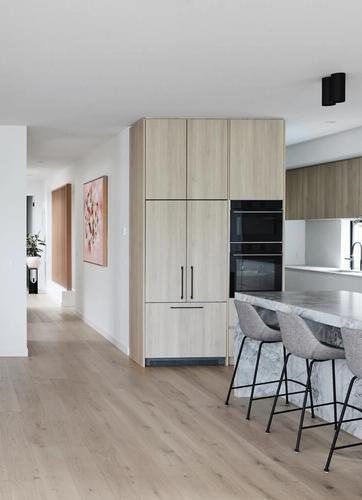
(255,273)
(262,226)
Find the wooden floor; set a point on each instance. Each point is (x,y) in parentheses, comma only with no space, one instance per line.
(78,420)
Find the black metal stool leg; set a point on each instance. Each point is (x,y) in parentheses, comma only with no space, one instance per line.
(235,371)
(334,393)
(336,434)
(308,389)
(286,377)
(254,381)
(310,394)
(277,393)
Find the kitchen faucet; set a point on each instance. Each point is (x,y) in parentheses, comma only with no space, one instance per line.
(351,258)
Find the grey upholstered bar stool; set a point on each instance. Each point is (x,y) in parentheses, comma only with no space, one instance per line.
(352,342)
(299,341)
(254,328)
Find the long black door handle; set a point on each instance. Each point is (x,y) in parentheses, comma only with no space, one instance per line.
(182,282)
(192,282)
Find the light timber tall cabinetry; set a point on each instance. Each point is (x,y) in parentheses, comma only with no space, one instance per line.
(180,182)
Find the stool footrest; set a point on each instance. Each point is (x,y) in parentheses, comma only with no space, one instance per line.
(332,423)
(322,424)
(347,446)
(251,385)
(300,408)
(280,395)
(268,382)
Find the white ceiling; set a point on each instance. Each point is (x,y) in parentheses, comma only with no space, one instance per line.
(76,71)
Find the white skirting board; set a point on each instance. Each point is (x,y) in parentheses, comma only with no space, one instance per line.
(104,334)
(13,353)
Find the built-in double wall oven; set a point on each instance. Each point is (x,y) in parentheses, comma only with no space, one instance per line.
(256,246)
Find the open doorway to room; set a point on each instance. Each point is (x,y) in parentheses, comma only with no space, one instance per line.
(36,256)
(49,241)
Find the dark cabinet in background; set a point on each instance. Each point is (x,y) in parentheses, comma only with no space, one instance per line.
(328,191)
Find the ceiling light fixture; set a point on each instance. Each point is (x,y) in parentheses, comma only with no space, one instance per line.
(333,89)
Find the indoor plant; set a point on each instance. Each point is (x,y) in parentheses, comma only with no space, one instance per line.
(34,250)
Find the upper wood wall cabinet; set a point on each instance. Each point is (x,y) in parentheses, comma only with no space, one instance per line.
(294,195)
(207,156)
(328,191)
(256,159)
(165,159)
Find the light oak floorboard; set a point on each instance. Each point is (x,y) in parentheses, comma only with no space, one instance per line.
(79,420)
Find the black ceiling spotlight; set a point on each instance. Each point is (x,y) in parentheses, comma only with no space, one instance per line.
(333,89)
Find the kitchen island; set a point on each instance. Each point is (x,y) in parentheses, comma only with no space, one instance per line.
(325,312)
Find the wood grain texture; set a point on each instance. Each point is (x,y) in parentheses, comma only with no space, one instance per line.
(295,198)
(313,204)
(257,159)
(137,242)
(185,330)
(83,421)
(207,249)
(165,159)
(165,251)
(62,236)
(331,190)
(207,159)
(349,189)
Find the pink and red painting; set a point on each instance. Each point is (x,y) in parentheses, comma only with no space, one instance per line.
(95,219)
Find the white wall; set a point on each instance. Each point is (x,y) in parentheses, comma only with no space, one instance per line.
(102,292)
(13,231)
(323,243)
(332,147)
(294,242)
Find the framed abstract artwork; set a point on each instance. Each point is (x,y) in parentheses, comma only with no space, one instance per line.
(95,221)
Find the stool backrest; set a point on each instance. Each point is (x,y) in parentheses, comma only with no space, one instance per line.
(251,324)
(297,337)
(352,343)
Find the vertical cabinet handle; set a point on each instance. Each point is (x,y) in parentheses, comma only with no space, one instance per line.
(182,282)
(192,282)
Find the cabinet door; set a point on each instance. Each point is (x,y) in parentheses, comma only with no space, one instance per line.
(207,249)
(295,193)
(348,194)
(327,184)
(185,331)
(256,159)
(165,159)
(165,251)
(313,204)
(207,159)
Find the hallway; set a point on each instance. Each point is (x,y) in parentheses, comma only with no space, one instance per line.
(78,420)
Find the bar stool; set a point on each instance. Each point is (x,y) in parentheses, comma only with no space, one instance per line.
(254,328)
(352,342)
(299,341)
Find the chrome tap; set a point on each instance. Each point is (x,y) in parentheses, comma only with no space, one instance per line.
(351,258)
